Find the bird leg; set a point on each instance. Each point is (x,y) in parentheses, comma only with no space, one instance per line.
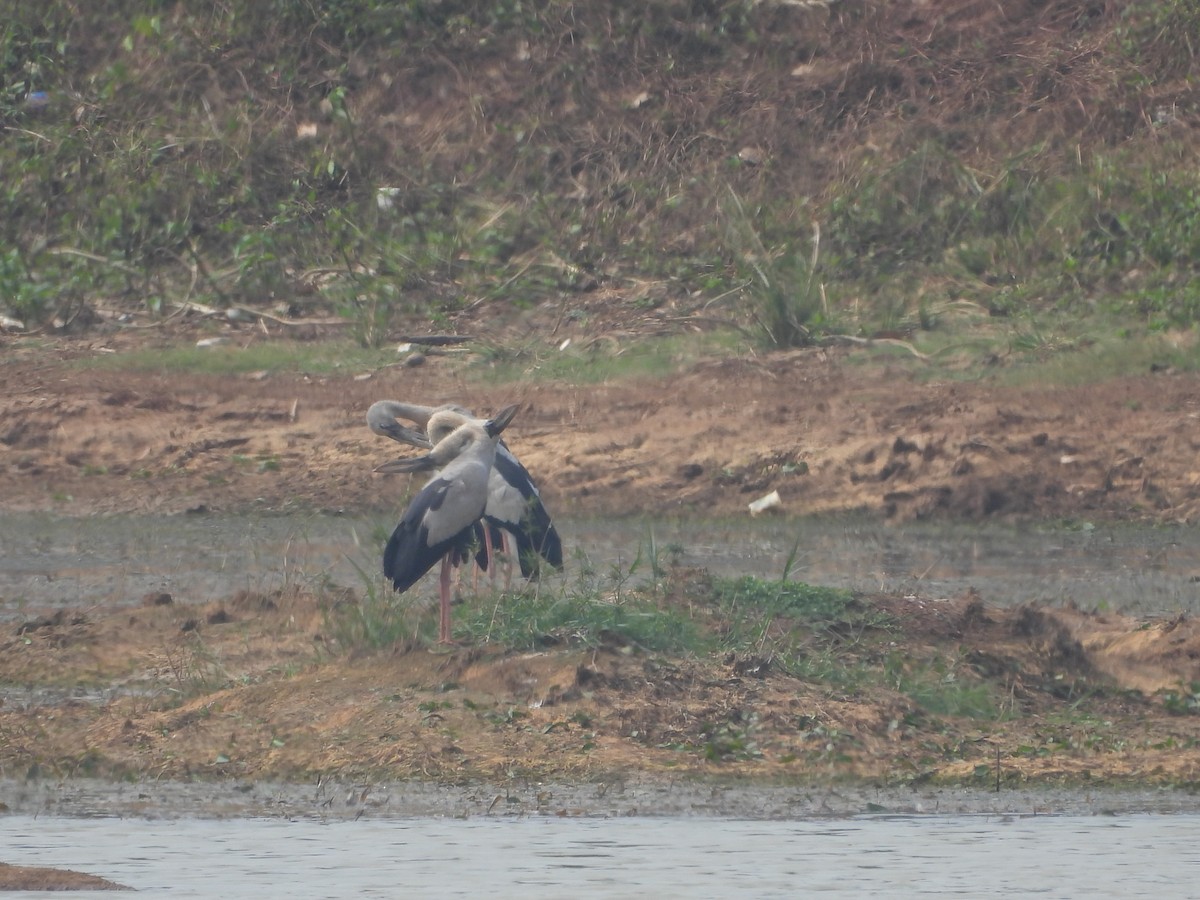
(509,553)
(444,585)
(491,554)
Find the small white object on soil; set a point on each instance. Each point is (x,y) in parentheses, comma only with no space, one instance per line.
(762,504)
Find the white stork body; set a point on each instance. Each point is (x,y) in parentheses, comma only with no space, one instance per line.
(514,504)
(439,521)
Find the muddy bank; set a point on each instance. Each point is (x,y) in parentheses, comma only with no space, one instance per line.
(37,878)
(249,687)
(613,797)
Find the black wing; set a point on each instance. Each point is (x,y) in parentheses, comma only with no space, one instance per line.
(534,531)
(409,554)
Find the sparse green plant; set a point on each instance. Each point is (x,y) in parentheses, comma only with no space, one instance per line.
(941,687)
(325,357)
(194,668)
(533,619)
(375,620)
(811,604)
(730,741)
(1182,702)
(788,294)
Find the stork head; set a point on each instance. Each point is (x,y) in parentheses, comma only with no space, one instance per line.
(381,418)
(461,439)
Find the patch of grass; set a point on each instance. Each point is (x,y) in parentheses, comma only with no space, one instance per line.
(820,634)
(1096,360)
(812,605)
(540,181)
(621,606)
(783,281)
(730,741)
(940,687)
(377,618)
(599,362)
(282,356)
(535,619)
(1183,702)
(787,618)
(195,669)
(520,620)
(602,360)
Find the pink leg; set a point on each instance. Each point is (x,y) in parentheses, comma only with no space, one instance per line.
(508,559)
(444,584)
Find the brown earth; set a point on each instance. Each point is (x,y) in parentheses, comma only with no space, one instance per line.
(827,428)
(251,687)
(36,878)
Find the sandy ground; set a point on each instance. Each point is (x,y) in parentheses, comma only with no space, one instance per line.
(251,690)
(826,430)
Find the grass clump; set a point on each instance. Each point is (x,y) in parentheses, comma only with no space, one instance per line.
(320,358)
(537,619)
(379,619)
(813,605)
(937,685)
(787,296)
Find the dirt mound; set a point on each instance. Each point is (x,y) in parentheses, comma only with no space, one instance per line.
(33,878)
(252,687)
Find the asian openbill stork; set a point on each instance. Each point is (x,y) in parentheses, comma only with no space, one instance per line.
(514,504)
(440,521)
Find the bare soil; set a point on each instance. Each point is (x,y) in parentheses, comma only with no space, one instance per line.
(249,687)
(36,878)
(828,430)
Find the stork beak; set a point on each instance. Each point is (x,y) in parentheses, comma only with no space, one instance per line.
(410,464)
(500,420)
(404,435)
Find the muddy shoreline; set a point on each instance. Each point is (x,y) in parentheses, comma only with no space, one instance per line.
(637,796)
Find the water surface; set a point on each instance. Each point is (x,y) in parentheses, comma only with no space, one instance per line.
(527,857)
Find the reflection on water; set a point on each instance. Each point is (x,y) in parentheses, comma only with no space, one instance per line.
(51,561)
(951,856)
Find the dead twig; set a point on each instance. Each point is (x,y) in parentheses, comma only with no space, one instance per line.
(851,339)
(435,340)
(94,257)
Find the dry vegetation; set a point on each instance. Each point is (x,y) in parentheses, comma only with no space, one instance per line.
(793,170)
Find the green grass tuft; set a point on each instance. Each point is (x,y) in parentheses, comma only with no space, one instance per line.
(317,358)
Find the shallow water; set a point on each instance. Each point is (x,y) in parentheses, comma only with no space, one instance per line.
(51,562)
(946,856)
